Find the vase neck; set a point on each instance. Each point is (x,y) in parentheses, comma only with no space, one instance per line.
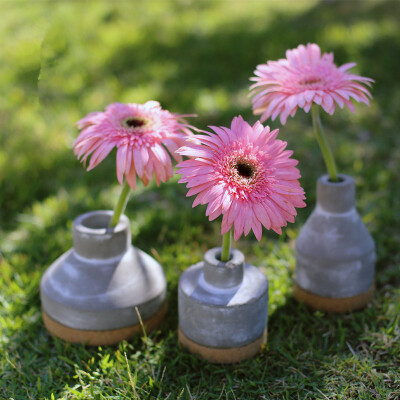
(93,238)
(336,197)
(223,274)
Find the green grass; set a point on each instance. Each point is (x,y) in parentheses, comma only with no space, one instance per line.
(61,60)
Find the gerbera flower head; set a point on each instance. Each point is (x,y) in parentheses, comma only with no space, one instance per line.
(305,77)
(142,134)
(245,174)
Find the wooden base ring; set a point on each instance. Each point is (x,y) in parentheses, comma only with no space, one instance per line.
(101,338)
(223,356)
(329,304)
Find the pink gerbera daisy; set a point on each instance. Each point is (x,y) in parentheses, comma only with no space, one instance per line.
(245,174)
(305,77)
(142,134)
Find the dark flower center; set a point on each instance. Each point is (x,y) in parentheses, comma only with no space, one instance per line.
(244,169)
(310,81)
(134,122)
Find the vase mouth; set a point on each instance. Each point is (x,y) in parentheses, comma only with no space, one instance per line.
(97,223)
(213,257)
(336,197)
(94,239)
(344,180)
(223,274)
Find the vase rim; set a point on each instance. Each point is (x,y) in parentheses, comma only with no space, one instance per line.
(213,254)
(223,274)
(344,180)
(83,224)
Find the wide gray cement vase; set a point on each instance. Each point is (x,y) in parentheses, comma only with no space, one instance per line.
(103,290)
(223,308)
(335,254)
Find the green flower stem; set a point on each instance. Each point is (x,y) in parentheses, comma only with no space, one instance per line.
(121,204)
(324,145)
(226,246)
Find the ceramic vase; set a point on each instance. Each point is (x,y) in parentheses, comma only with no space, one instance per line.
(97,292)
(335,254)
(223,308)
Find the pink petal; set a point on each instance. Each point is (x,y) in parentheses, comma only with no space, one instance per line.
(121,162)
(131,177)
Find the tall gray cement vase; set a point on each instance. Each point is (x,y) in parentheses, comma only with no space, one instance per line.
(335,254)
(223,308)
(96,291)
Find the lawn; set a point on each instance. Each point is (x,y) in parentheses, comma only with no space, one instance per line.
(60,60)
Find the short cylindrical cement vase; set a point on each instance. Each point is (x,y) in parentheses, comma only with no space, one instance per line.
(98,291)
(335,254)
(223,308)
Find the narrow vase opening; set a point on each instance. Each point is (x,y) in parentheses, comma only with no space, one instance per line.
(336,197)
(219,255)
(93,238)
(96,221)
(223,274)
(339,180)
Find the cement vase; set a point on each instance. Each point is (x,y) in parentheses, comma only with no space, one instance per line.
(335,254)
(223,308)
(97,292)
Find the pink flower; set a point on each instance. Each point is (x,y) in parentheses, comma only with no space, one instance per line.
(142,134)
(302,78)
(245,174)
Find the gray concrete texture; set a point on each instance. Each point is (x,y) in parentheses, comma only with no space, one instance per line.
(223,305)
(335,254)
(97,284)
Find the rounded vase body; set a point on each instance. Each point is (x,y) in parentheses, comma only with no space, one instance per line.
(223,308)
(97,290)
(335,254)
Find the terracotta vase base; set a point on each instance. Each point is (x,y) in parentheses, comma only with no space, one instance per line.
(101,338)
(329,304)
(223,356)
